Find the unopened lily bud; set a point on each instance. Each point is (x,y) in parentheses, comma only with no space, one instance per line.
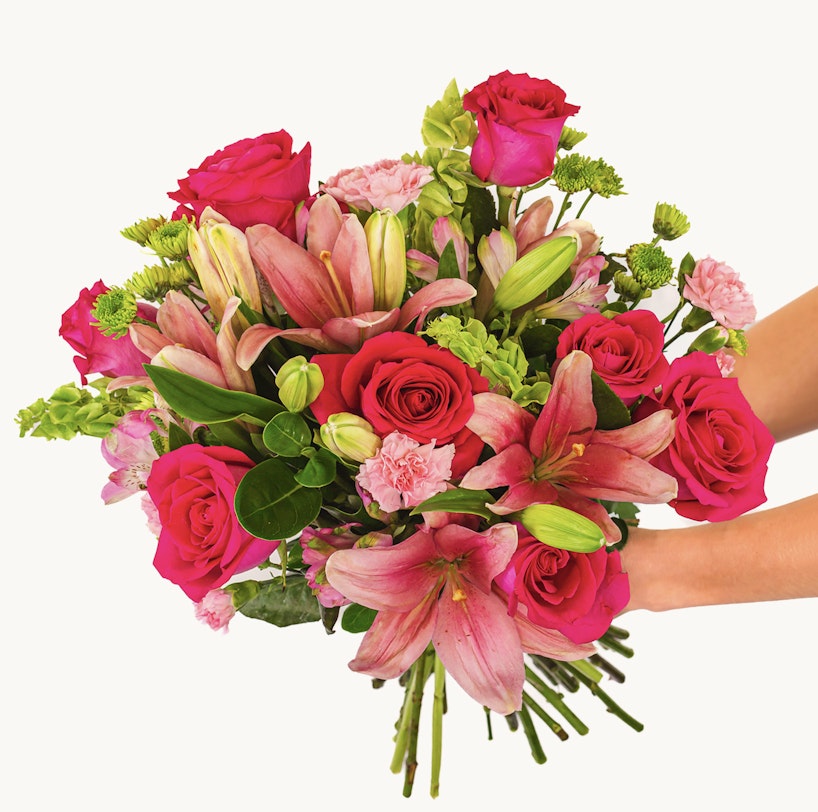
(387,256)
(170,239)
(350,437)
(710,340)
(559,527)
(668,222)
(299,383)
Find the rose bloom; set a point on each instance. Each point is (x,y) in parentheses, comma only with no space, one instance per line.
(720,449)
(255,180)
(519,122)
(578,594)
(98,353)
(715,287)
(388,184)
(626,350)
(398,382)
(201,544)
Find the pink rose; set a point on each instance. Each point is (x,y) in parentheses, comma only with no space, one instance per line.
(720,449)
(577,594)
(388,184)
(255,180)
(626,350)
(201,543)
(715,287)
(398,382)
(98,353)
(519,121)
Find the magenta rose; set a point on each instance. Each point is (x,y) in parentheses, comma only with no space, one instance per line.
(519,122)
(98,353)
(398,382)
(255,180)
(201,543)
(720,449)
(626,350)
(577,594)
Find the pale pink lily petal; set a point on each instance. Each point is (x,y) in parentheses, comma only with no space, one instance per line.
(237,378)
(351,331)
(190,363)
(323,225)
(497,252)
(179,319)
(548,642)
(147,339)
(440,293)
(499,421)
(514,463)
(350,259)
(485,561)
(645,438)
(533,224)
(421,265)
(257,337)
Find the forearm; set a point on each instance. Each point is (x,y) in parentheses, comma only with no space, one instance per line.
(764,556)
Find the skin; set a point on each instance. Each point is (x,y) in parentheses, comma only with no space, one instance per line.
(698,565)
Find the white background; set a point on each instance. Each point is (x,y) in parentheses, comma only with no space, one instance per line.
(113,696)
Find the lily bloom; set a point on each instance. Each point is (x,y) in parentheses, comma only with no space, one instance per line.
(345,286)
(561,457)
(436,586)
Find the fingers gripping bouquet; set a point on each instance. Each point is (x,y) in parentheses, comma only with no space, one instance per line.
(420,401)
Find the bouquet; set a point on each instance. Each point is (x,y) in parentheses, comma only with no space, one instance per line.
(420,402)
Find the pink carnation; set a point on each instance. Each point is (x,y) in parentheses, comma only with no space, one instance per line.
(387,184)
(725,361)
(715,287)
(404,473)
(216,609)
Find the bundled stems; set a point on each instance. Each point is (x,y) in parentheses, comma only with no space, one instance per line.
(438,709)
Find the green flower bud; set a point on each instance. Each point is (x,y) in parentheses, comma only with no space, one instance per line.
(299,383)
(737,341)
(650,265)
(605,182)
(559,527)
(570,137)
(115,311)
(710,340)
(350,437)
(668,222)
(626,287)
(574,173)
(142,229)
(696,319)
(386,243)
(169,240)
(153,282)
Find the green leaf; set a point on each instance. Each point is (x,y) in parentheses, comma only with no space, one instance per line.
(611,412)
(232,434)
(271,505)
(457,500)
(447,266)
(319,471)
(357,618)
(540,339)
(204,403)
(480,204)
(287,434)
(625,510)
(177,437)
(276,603)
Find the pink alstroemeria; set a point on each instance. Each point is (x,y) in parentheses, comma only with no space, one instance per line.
(561,457)
(444,231)
(584,294)
(331,290)
(436,586)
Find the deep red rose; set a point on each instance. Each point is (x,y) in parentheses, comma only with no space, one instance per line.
(626,350)
(720,449)
(398,382)
(577,594)
(255,180)
(519,122)
(201,543)
(98,353)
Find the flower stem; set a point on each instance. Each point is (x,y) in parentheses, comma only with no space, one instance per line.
(438,709)
(555,699)
(531,734)
(584,204)
(555,726)
(606,700)
(566,204)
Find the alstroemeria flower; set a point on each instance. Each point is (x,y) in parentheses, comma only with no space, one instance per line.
(561,457)
(584,295)
(331,290)
(436,586)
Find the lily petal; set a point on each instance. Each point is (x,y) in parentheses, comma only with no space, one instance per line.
(645,439)
(350,332)
(511,465)
(182,322)
(499,421)
(440,293)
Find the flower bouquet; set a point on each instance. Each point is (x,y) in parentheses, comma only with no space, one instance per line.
(420,403)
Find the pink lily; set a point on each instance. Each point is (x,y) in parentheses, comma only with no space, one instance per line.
(561,457)
(330,288)
(584,294)
(436,586)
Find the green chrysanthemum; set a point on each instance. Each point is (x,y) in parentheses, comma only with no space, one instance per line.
(154,281)
(142,229)
(606,183)
(115,311)
(574,173)
(569,138)
(170,239)
(669,223)
(650,265)
(627,288)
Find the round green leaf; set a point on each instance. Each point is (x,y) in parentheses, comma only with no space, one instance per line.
(319,471)
(287,434)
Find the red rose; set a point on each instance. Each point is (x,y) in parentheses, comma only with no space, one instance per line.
(398,382)
(577,594)
(519,121)
(626,350)
(98,353)
(255,180)
(720,449)
(201,543)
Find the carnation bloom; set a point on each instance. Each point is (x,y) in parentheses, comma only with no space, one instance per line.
(216,609)
(388,184)
(404,472)
(715,287)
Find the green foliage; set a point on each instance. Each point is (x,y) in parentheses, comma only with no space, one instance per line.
(280,601)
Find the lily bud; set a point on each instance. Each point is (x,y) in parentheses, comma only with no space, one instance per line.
(350,437)
(387,256)
(299,383)
(559,527)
